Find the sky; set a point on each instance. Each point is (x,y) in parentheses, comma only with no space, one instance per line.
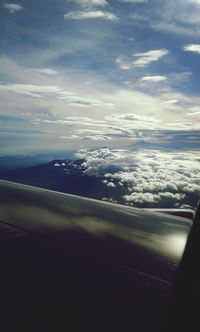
(80,74)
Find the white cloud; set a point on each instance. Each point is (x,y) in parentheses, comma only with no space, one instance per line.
(142,59)
(31,90)
(71,137)
(195,1)
(44,71)
(100,138)
(154,79)
(49,91)
(135,1)
(83,15)
(145,58)
(141,198)
(194,113)
(12,7)
(74,121)
(111,184)
(182,22)
(119,117)
(123,63)
(83,119)
(64,93)
(97,159)
(90,3)
(192,48)
(171,101)
(143,174)
(152,198)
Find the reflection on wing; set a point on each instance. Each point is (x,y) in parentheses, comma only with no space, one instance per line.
(72,261)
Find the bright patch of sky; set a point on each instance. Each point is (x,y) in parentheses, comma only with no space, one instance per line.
(82,73)
(12,7)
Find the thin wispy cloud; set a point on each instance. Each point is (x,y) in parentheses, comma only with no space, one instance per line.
(183,22)
(118,118)
(71,137)
(134,1)
(90,3)
(99,138)
(153,79)
(142,59)
(84,15)
(171,101)
(173,28)
(123,63)
(194,113)
(12,7)
(44,71)
(145,58)
(51,91)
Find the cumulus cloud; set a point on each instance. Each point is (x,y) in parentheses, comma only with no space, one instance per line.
(83,15)
(146,176)
(12,7)
(195,48)
(152,198)
(111,185)
(97,159)
(153,79)
(142,59)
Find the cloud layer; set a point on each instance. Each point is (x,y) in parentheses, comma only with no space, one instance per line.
(147,176)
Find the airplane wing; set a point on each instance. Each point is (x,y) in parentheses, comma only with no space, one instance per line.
(70,263)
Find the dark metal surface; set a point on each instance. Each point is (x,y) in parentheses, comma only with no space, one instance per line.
(183,312)
(111,266)
(185,213)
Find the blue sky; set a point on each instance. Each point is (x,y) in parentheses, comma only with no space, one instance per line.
(91,73)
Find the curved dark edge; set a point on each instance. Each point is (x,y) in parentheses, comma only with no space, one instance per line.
(184,213)
(184,312)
